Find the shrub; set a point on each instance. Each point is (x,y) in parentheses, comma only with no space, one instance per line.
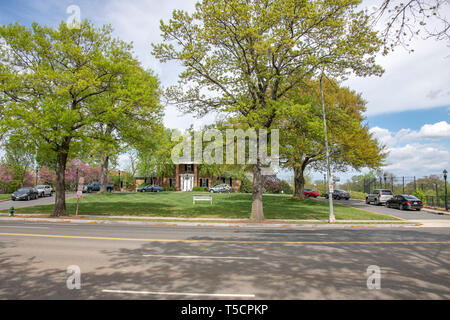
(419,194)
(286,187)
(199,189)
(246,185)
(169,189)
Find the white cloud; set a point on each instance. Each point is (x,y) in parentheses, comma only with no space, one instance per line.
(417,159)
(436,131)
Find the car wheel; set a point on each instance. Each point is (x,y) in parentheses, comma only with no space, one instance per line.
(367,201)
(418,209)
(28,198)
(388,205)
(307,195)
(402,207)
(338,198)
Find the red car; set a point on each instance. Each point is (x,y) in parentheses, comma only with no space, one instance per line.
(311,193)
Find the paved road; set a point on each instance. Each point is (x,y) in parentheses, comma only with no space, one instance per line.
(409,215)
(163,262)
(39,201)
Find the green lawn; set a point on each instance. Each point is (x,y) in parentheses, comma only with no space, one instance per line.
(179,204)
(5,196)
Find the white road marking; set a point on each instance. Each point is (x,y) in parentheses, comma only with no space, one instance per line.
(183,293)
(24,227)
(200,257)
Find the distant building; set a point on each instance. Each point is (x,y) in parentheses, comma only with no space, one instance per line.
(185,177)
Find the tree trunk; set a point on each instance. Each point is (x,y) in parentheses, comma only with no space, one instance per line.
(104,174)
(299,183)
(257,204)
(60,197)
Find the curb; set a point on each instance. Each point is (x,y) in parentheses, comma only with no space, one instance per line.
(214,224)
(436,211)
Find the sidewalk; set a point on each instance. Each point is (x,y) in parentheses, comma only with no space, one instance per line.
(230,223)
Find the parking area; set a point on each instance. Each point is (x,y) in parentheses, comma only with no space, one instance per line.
(40,201)
(409,215)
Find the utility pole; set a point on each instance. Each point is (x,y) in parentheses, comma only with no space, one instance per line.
(332,218)
(445,189)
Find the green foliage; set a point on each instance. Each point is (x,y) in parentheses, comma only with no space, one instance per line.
(64,86)
(246,185)
(170,189)
(419,194)
(199,189)
(286,187)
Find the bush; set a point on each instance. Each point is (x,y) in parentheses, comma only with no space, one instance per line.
(169,189)
(199,189)
(419,194)
(286,187)
(246,185)
(142,185)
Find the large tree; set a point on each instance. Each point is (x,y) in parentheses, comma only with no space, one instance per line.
(49,79)
(241,56)
(302,136)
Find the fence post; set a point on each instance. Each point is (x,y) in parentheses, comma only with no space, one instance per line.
(403,185)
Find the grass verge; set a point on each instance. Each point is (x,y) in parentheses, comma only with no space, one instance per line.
(179,204)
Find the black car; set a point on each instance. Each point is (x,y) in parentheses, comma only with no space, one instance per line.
(151,188)
(405,202)
(339,194)
(25,194)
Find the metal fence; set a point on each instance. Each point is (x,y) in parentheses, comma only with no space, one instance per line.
(433,201)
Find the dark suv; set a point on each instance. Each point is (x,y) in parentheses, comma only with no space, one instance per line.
(339,194)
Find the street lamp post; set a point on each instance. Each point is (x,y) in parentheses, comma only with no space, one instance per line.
(332,218)
(119,182)
(445,189)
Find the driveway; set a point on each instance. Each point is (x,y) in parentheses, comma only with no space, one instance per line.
(408,215)
(40,201)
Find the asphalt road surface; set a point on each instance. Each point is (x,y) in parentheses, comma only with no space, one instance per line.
(408,215)
(166,262)
(39,201)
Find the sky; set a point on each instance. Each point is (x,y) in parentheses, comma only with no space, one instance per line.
(408,108)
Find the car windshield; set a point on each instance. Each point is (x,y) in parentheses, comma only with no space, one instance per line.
(23,189)
(411,198)
(308,189)
(386,192)
(40,187)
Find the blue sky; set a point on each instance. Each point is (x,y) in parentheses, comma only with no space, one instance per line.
(408,108)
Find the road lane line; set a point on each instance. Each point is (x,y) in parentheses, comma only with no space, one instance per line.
(200,257)
(232,295)
(24,227)
(221,241)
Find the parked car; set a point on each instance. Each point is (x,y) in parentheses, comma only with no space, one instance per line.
(379,196)
(221,188)
(95,186)
(339,194)
(151,188)
(44,190)
(311,193)
(405,202)
(25,194)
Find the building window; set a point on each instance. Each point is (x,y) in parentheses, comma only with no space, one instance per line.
(188,167)
(172,182)
(204,182)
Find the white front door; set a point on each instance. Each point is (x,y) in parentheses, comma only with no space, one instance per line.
(187,182)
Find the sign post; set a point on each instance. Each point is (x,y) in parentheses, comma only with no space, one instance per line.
(79,193)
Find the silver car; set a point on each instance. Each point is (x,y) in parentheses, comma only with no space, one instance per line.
(379,196)
(44,190)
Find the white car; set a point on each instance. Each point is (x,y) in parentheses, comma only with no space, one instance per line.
(379,196)
(44,190)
